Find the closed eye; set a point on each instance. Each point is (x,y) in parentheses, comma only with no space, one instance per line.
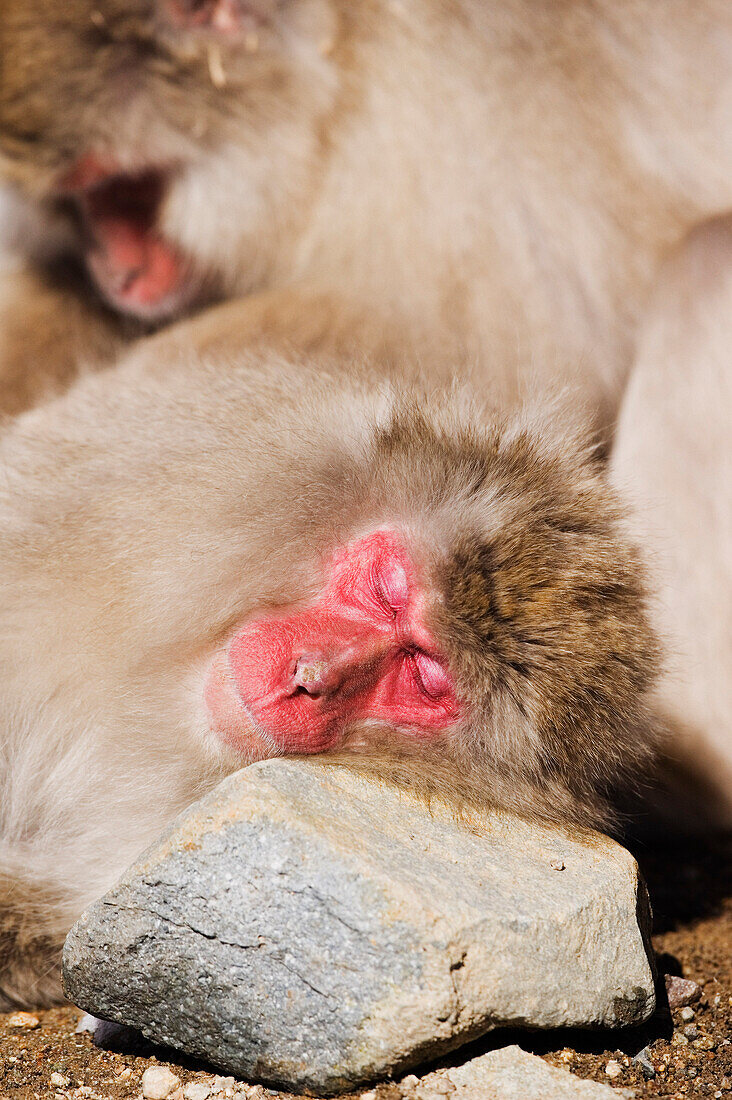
(391,588)
(429,675)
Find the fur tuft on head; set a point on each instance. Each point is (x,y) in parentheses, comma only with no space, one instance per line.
(539,602)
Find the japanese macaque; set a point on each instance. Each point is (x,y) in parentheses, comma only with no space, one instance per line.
(480,188)
(495,183)
(205,563)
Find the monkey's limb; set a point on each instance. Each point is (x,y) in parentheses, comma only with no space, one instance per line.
(50,331)
(33,925)
(673,458)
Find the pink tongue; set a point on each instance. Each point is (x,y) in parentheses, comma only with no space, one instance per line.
(133,266)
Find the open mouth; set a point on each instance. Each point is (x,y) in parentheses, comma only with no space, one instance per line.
(135,268)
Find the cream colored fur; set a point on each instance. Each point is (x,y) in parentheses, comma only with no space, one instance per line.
(673,458)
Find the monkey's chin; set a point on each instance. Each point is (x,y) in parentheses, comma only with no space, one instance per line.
(229,719)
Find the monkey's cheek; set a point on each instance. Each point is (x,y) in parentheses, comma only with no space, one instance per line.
(228,719)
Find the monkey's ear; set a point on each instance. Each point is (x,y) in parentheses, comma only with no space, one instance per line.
(225,17)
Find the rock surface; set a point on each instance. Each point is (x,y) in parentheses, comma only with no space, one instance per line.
(310,928)
(511,1074)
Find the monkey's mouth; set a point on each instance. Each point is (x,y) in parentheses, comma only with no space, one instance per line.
(134,266)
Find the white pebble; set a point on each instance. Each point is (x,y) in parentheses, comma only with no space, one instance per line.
(58,1081)
(87,1023)
(613,1069)
(197,1090)
(23,1019)
(158,1082)
(687,1013)
(221,1084)
(368,1095)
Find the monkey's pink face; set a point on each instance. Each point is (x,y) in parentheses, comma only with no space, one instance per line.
(362,652)
(119,202)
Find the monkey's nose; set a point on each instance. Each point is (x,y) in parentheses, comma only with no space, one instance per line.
(310,675)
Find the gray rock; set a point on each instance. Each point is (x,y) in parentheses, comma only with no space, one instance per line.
(643,1059)
(313,929)
(511,1074)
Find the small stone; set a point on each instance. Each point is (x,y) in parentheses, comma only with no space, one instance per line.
(58,1081)
(512,1074)
(725,1084)
(705,1043)
(613,1069)
(221,1084)
(567,1056)
(410,1081)
(681,991)
(23,1019)
(439,1087)
(197,1090)
(691,1031)
(643,1059)
(679,1040)
(558,865)
(687,1013)
(158,1082)
(368,1095)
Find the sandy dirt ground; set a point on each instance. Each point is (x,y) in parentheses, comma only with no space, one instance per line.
(688,1051)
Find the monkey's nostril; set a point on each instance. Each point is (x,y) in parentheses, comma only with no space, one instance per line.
(309,675)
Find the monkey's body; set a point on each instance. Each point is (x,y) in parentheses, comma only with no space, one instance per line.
(495,183)
(479,188)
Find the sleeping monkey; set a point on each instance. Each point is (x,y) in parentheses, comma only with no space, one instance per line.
(208,559)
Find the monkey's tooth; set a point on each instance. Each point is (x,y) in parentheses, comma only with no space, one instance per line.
(216,67)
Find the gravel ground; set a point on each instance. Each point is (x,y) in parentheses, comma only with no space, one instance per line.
(688,1052)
